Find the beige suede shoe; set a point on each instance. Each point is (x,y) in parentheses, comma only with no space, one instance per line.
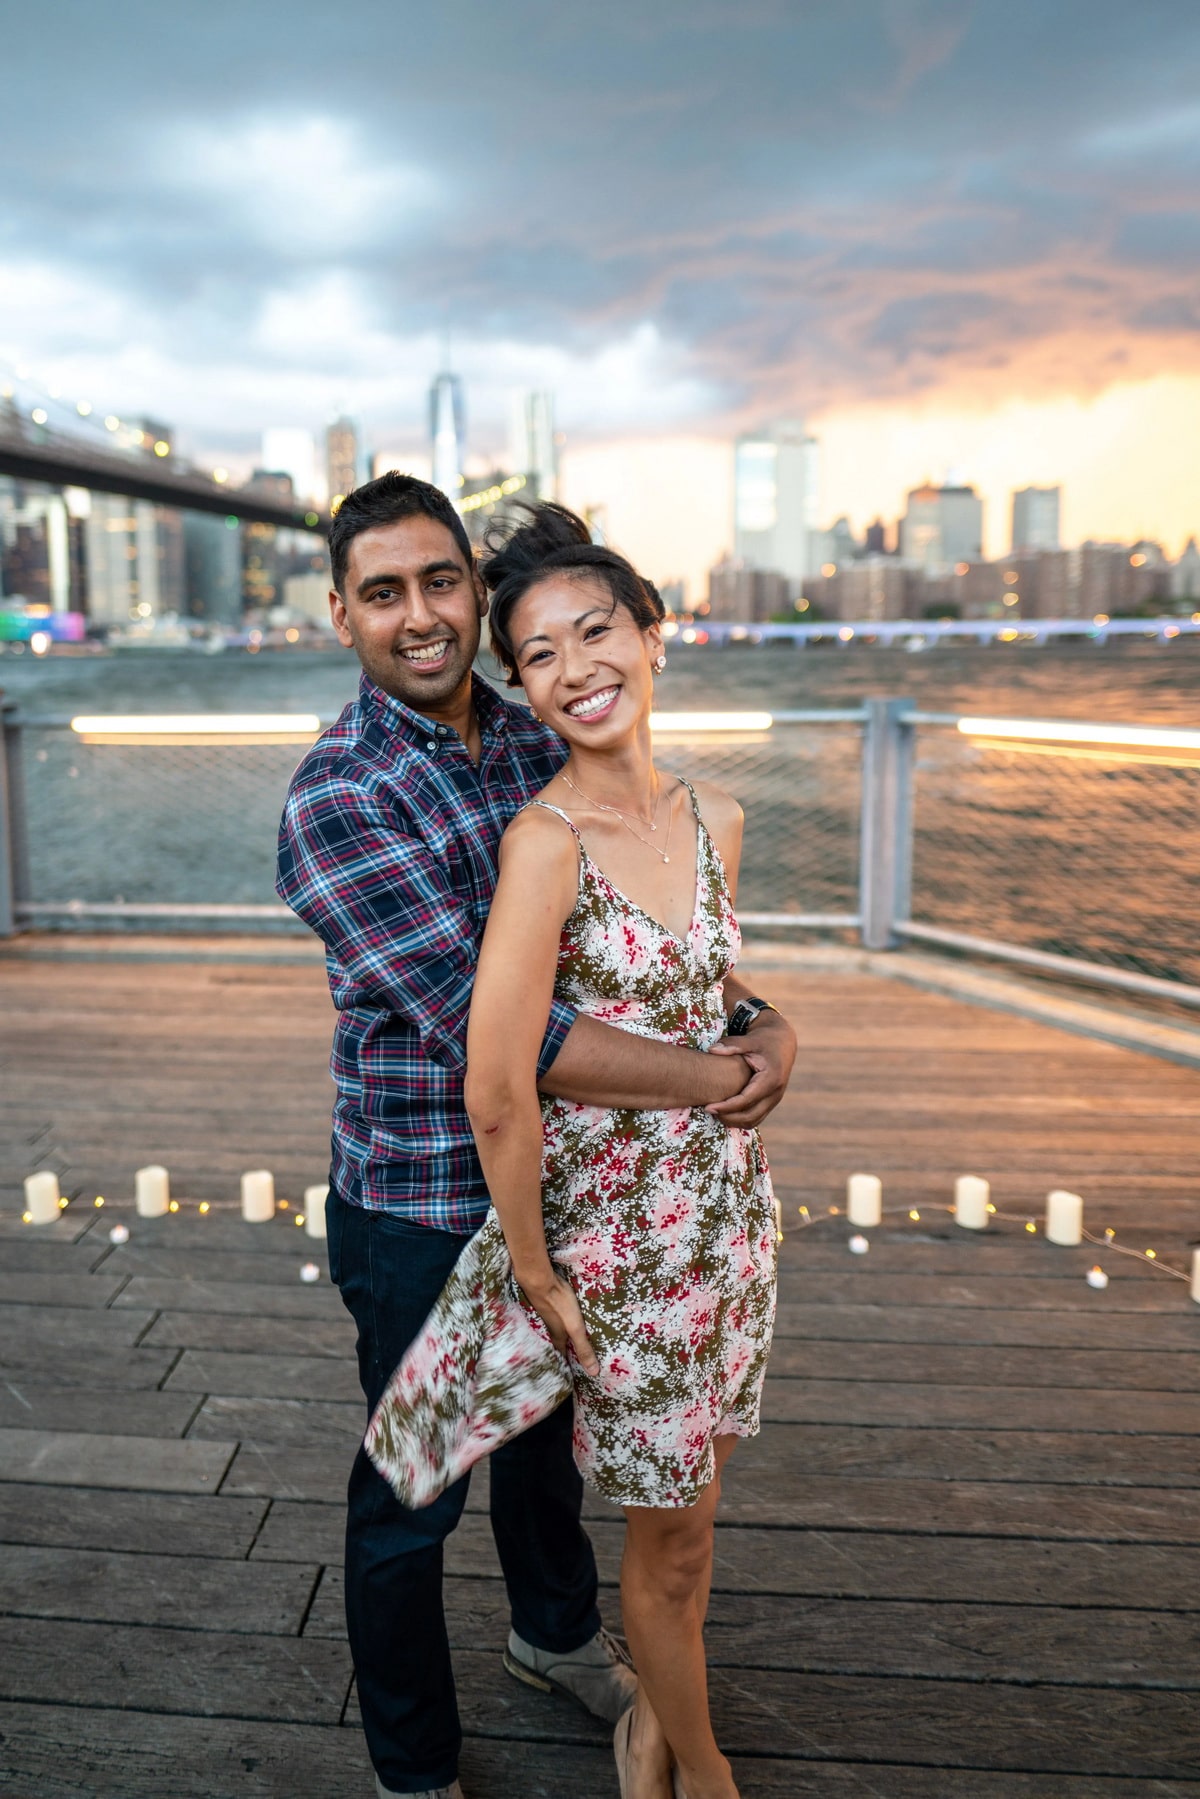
(598,1674)
(451,1792)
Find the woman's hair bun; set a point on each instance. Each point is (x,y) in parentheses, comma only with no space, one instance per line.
(551,539)
(544,532)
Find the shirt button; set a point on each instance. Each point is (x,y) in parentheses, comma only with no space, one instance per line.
(431,745)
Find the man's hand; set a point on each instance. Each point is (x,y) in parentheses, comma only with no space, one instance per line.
(770,1048)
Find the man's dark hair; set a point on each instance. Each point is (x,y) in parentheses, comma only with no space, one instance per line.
(385,501)
(554,541)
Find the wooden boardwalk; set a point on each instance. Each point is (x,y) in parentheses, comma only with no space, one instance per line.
(961,1562)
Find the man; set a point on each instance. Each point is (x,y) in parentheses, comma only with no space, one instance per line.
(388,851)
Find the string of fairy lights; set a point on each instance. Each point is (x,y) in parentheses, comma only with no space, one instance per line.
(1096,1276)
(44,1202)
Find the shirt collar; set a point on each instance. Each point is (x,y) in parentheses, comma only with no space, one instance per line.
(492,711)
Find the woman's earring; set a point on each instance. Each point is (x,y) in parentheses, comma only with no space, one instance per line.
(659,664)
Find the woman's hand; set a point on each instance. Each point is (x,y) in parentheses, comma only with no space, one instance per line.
(554,1301)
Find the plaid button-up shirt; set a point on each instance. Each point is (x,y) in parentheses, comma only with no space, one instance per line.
(388,850)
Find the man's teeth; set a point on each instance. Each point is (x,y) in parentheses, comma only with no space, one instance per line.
(429,652)
(595,702)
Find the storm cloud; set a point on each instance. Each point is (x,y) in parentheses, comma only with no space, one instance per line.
(681,215)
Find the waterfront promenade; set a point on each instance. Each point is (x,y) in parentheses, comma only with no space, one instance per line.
(961,1562)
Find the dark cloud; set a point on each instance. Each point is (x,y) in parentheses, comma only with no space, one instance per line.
(799,203)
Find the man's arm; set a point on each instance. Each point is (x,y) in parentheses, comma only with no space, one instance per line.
(601,1065)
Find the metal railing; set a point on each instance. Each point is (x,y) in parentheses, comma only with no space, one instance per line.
(1065,848)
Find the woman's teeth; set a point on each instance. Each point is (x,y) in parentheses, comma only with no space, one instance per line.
(595,702)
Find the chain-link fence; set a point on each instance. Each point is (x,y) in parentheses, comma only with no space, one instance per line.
(137,828)
(1088,852)
(1070,853)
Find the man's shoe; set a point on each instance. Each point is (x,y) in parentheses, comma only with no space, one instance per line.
(451,1792)
(599,1675)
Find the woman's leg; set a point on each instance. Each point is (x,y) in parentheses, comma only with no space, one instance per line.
(665,1577)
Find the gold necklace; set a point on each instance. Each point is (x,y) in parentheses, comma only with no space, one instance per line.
(619,814)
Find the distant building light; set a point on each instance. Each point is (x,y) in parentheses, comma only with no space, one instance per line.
(846,633)
(292,635)
(84,408)
(1010,576)
(39,415)
(231,523)
(1011,599)
(1137,561)
(312,518)
(220,476)
(112,423)
(39,643)
(162,447)
(802,605)
(962,568)
(1101,618)
(828,568)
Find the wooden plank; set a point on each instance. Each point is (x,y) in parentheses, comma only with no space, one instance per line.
(999,1408)
(105,1368)
(57,1327)
(317,1471)
(202,1674)
(84,1291)
(998,1366)
(194,1263)
(266,1336)
(254,1299)
(71,1459)
(266,1376)
(1017,1293)
(881,1323)
(762,1486)
(33,1254)
(26,1406)
(105,1587)
(994,1254)
(95,1518)
(299,1422)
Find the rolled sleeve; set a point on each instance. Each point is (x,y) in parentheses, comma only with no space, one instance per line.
(562,1017)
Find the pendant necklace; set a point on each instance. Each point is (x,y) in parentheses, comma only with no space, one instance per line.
(617,813)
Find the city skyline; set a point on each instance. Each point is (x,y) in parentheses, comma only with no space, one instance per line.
(954,238)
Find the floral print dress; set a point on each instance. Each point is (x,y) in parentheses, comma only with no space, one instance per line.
(663,1221)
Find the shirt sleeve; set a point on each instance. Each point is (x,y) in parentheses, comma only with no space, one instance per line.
(380,902)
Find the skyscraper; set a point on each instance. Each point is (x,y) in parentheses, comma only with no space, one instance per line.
(1035,519)
(341,458)
(533,451)
(447,432)
(942,526)
(775,498)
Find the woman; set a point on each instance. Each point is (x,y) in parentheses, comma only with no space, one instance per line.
(643,1241)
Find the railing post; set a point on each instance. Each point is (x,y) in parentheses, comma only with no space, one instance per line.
(885,868)
(14,849)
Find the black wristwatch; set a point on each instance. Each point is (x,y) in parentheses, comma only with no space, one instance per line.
(744,1014)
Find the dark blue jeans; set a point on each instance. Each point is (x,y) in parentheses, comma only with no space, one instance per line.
(390,1272)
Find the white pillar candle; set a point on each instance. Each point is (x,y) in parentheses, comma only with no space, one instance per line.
(1064,1217)
(42,1197)
(1196,1276)
(152,1191)
(864,1199)
(314,1210)
(258,1196)
(971,1196)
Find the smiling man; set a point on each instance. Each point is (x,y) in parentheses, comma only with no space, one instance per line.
(388,850)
